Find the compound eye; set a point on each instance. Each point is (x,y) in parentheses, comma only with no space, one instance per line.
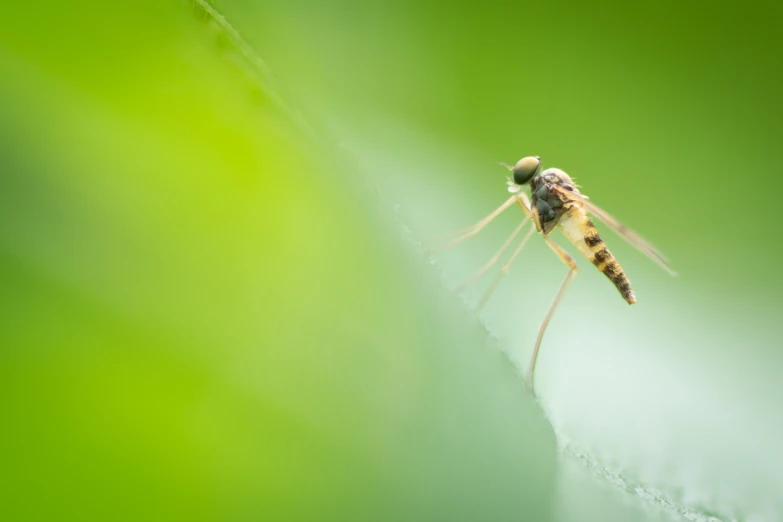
(525,169)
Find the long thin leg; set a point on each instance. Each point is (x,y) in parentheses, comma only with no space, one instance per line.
(473,229)
(494,259)
(572,271)
(524,204)
(449,235)
(504,270)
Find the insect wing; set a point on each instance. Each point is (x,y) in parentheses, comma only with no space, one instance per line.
(633,238)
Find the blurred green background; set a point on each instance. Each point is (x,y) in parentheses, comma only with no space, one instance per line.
(215,302)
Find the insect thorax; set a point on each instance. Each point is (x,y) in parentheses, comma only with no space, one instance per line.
(550,204)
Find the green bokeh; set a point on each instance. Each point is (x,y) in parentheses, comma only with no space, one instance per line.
(216,307)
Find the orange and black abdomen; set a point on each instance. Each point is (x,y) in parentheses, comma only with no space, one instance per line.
(606,263)
(552,202)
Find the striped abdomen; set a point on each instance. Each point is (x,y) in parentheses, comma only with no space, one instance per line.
(578,228)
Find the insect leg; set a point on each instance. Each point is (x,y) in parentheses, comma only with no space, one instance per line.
(524,203)
(504,270)
(494,259)
(572,271)
(472,230)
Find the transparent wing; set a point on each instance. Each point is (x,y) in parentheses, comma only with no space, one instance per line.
(633,238)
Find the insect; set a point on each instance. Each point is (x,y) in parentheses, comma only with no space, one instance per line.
(555,202)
